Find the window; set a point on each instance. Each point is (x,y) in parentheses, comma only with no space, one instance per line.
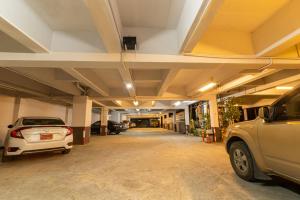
(41,121)
(287,109)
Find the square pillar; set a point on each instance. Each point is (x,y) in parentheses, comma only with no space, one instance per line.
(81,119)
(245,114)
(174,121)
(187,119)
(214,118)
(104,121)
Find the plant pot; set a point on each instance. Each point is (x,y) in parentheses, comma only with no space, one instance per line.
(209,136)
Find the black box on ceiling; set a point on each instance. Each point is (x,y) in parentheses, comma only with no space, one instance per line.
(129,43)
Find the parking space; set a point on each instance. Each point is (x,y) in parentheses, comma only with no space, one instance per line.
(138,164)
(139,98)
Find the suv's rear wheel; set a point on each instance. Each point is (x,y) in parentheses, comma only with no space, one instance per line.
(242,161)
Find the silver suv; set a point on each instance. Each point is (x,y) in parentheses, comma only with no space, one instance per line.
(270,143)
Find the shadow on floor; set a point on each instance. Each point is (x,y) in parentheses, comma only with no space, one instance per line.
(278,181)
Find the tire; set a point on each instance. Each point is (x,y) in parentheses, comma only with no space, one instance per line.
(66,151)
(6,158)
(117,133)
(242,161)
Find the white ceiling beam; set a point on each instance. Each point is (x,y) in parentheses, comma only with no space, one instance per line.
(145,98)
(60,60)
(168,79)
(84,80)
(35,94)
(126,76)
(159,61)
(14,21)
(105,22)
(203,19)
(139,61)
(45,79)
(99,103)
(238,82)
(21,37)
(245,80)
(147,108)
(271,85)
(268,42)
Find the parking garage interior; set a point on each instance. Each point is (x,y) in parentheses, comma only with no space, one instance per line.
(163,70)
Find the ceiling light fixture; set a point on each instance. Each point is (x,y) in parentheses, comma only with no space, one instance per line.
(129,85)
(284,87)
(178,103)
(189,102)
(119,102)
(136,103)
(208,87)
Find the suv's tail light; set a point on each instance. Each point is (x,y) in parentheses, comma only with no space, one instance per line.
(69,131)
(16,134)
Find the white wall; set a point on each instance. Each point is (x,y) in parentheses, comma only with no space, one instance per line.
(116,116)
(29,107)
(95,117)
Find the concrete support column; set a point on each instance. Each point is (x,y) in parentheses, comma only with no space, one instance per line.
(187,118)
(214,118)
(81,119)
(174,121)
(245,114)
(16,109)
(104,121)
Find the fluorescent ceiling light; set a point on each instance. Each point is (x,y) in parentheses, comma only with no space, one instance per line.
(136,103)
(129,86)
(284,87)
(189,102)
(207,87)
(178,103)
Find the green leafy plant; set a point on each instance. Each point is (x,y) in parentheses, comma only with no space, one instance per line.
(206,118)
(231,112)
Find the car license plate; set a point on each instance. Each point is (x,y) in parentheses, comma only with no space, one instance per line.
(46,136)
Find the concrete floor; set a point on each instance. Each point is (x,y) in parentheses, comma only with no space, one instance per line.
(139,164)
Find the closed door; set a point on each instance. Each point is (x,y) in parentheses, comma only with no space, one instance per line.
(280,139)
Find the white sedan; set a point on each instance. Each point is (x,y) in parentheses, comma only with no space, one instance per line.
(37,134)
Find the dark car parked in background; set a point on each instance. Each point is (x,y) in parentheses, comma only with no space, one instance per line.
(113,127)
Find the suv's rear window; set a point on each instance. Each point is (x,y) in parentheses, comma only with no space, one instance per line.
(32,122)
